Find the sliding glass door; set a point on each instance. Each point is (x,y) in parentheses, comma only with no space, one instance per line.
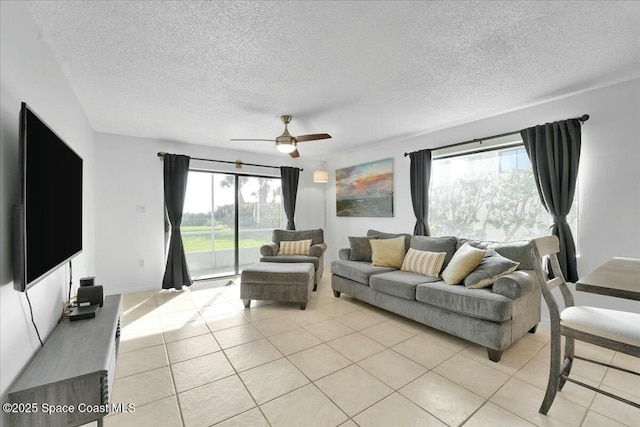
(227,217)
(259,212)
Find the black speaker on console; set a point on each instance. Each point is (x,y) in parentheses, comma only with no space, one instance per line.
(87,281)
(90,294)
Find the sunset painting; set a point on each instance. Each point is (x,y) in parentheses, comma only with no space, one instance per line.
(365,190)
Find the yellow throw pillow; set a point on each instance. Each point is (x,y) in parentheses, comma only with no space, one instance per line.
(424,262)
(463,262)
(294,247)
(387,252)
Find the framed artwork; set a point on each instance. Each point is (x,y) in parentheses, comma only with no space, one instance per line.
(365,190)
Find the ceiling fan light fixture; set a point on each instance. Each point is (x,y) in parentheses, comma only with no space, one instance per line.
(285,147)
(288,144)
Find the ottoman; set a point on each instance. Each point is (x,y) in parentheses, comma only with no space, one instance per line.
(275,281)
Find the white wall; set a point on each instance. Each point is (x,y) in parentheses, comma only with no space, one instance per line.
(609,181)
(129,175)
(31,73)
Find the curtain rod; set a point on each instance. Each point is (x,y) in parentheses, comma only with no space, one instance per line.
(237,163)
(582,118)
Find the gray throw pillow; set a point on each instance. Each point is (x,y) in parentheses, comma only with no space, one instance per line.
(360,248)
(518,251)
(492,266)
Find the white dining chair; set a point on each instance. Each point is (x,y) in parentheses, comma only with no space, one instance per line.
(612,329)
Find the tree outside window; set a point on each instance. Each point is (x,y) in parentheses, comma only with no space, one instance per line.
(488,195)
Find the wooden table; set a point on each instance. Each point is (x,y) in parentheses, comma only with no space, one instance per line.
(618,277)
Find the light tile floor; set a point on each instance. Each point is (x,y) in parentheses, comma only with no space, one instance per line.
(199,358)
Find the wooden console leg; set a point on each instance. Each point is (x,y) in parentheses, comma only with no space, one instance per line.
(336,294)
(494,355)
(247,303)
(533,330)
(303,305)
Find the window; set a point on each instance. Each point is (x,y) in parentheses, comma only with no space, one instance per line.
(226,218)
(514,158)
(488,194)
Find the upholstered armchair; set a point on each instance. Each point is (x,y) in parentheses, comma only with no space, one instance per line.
(315,254)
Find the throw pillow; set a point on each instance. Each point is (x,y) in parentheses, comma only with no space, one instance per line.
(463,262)
(294,247)
(492,266)
(360,248)
(382,235)
(387,252)
(424,262)
(446,244)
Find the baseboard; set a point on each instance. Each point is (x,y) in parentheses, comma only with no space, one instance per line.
(135,289)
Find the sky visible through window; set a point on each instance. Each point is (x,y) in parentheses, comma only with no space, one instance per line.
(198,197)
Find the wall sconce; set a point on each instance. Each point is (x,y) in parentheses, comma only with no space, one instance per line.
(321,176)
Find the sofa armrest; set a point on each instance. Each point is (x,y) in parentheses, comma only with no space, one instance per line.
(270,249)
(516,284)
(317,250)
(344,254)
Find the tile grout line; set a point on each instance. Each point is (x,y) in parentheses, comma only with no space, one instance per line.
(173,382)
(331,315)
(512,376)
(237,373)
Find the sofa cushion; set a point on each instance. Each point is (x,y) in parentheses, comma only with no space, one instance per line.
(292,258)
(358,271)
(423,262)
(316,236)
(518,251)
(436,244)
(387,252)
(360,248)
(492,266)
(399,283)
(464,261)
(478,303)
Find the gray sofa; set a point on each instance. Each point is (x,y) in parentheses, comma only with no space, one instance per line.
(315,256)
(494,317)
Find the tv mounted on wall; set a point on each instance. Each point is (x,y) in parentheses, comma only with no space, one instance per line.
(48,217)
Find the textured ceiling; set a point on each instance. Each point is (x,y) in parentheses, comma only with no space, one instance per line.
(365,72)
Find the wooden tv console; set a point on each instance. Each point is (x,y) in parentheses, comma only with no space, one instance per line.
(69,381)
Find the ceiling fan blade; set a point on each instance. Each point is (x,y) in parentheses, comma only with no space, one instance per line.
(295,154)
(252,139)
(312,137)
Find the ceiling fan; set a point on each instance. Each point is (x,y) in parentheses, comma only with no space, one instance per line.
(286,143)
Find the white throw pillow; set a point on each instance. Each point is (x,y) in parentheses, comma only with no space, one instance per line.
(464,261)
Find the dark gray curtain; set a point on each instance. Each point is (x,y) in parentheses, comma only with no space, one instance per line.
(290,177)
(554,150)
(176,171)
(420,176)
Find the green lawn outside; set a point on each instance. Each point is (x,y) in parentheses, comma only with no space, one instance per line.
(199,228)
(224,238)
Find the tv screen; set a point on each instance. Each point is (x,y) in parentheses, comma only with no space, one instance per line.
(50,210)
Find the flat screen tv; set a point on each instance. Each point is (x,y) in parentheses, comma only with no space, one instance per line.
(48,217)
